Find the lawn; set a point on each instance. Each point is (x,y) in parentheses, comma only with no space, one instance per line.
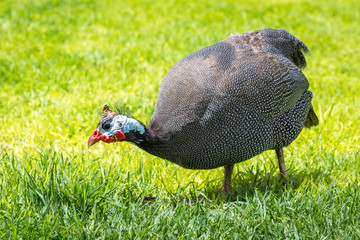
(61,60)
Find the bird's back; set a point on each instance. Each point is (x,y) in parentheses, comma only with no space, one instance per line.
(221,102)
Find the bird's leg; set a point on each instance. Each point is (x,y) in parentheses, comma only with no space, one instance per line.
(283,172)
(228,169)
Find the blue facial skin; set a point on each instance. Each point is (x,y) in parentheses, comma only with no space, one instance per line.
(121,123)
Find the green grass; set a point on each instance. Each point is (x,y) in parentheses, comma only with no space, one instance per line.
(60,61)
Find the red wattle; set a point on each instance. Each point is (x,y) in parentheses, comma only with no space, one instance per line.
(117,136)
(97,136)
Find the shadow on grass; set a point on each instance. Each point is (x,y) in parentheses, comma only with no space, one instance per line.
(249,182)
(246,183)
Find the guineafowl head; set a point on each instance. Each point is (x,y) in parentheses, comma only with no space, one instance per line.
(114,127)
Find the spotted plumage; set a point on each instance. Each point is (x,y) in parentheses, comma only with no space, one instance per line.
(229,102)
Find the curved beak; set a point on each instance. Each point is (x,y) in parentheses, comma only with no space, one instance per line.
(94,138)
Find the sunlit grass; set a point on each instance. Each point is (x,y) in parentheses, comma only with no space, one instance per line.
(60,61)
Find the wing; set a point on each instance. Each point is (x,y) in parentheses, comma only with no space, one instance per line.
(187,89)
(237,71)
(263,83)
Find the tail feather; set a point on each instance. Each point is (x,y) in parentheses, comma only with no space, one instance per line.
(291,47)
(311,118)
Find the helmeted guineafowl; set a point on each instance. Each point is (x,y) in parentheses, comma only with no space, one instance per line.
(224,104)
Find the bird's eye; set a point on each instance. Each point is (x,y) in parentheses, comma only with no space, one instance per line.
(120,125)
(106,126)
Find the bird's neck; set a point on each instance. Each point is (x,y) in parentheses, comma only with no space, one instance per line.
(151,143)
(149,138)
(146,141)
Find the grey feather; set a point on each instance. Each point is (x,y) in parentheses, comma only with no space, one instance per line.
(233,100)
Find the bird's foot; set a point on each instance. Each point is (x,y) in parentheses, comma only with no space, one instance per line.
(285,178)
(226,190)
